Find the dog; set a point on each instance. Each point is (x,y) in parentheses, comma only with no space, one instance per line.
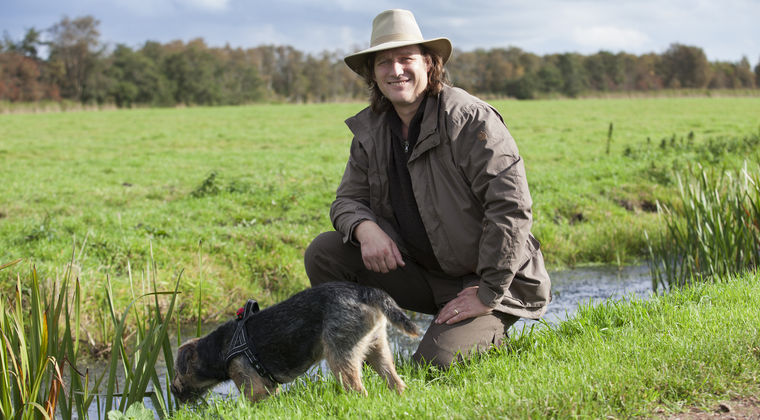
(344,323)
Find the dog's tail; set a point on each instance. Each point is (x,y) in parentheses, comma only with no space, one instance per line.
(381,300)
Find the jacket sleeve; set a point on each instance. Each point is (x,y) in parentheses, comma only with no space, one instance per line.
(351,205)
(489,160)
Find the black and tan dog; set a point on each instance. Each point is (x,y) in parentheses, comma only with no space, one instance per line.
(344,323)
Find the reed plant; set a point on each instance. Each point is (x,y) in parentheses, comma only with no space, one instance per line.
(42,362)
(713,228)
(31,375)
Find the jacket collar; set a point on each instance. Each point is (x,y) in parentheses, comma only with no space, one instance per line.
(369,125)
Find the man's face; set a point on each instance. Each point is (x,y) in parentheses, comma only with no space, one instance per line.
(401,75)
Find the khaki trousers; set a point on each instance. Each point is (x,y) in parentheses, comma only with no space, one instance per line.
(414,288)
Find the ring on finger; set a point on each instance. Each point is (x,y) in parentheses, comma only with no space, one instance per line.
(456,311)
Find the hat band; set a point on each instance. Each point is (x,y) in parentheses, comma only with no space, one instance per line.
(393,38)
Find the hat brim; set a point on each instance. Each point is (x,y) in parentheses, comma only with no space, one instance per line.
(358,61)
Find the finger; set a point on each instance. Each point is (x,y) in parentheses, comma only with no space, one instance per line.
(468,291)
(447,312)
(372,265)
(457,316)
(443,313)
(391,262)
(442,317)
(397,256)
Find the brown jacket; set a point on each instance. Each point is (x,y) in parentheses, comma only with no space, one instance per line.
(470,185)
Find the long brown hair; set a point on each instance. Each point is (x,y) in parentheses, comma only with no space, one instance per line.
(436,79)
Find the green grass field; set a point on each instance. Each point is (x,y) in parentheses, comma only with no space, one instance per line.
(231,196)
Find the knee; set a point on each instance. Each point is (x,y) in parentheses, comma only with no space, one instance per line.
(434,356)
(320,255)
(444,345)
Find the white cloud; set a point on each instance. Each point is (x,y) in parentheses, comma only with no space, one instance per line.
(609,37)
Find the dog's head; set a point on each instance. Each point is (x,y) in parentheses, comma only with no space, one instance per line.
(191,380)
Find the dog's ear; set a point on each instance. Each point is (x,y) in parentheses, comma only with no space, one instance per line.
(186,354)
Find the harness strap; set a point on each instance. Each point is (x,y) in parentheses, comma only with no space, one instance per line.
(240,344)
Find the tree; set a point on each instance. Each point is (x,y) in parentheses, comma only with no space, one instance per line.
(462,70)
(318,74)
(639,72)
(573,73)
(605,71)
(683,66)
(549,76)
(239,79)
(155,86)
(757,74)
(29,45)
(524,87)
(744,74)
(136,77)
(193,69)
(74,51)
(20,78)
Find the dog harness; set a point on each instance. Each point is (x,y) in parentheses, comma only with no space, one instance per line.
(240,344)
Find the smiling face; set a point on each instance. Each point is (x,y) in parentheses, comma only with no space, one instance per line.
(401,75)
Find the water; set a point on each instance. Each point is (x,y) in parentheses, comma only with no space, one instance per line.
(569,289)
(594,284)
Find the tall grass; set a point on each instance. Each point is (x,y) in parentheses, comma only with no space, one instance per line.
(42,362)
(712,230)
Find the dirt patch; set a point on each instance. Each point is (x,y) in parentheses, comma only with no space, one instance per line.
(739,409)
(646,206)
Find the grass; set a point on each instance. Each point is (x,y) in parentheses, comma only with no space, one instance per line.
(713,229)
(233,195)
(690,348)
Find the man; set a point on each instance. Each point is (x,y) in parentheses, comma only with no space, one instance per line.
(434,205)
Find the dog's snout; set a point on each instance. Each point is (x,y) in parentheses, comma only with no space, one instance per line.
(176,390)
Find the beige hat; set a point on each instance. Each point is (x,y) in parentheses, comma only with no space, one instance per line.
(392,29)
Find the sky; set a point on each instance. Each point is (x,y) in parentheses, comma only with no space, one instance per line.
(726,30)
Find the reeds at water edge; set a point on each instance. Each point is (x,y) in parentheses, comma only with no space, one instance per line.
(44,373)
(713,229)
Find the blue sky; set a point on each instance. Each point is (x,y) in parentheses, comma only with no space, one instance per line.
(726,30)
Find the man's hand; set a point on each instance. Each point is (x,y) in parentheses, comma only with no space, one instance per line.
(466,305)
(379,253)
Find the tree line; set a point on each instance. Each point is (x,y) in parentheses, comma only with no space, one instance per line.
(80,67)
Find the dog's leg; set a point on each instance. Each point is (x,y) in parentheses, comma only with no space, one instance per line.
(248,381)
(348,371)
(380,359)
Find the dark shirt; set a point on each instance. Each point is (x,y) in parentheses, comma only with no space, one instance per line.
(404,204)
